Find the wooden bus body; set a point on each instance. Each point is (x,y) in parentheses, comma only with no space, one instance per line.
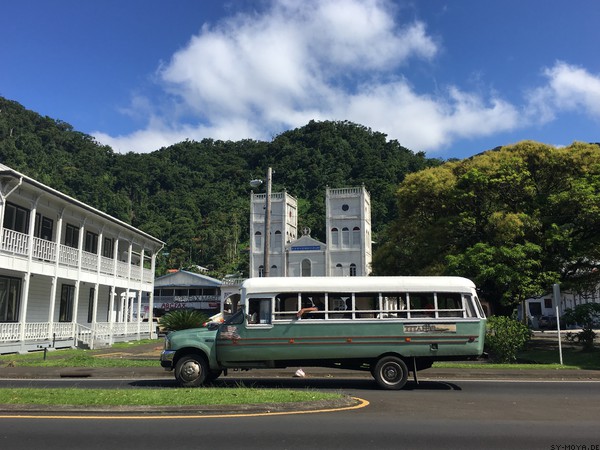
(386,325)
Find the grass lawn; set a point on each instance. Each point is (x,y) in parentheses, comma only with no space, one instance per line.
(158,397)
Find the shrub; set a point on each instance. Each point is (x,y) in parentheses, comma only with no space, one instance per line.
(182,319)
(505,337)
(585,315)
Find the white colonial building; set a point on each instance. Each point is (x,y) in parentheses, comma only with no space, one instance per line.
(348,248)
(69,274)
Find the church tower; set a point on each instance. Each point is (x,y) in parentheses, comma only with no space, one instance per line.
(283,230)
(348,223)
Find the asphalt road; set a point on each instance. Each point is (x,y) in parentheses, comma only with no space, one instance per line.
(432,415)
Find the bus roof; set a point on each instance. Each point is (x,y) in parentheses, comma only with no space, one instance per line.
(358,284)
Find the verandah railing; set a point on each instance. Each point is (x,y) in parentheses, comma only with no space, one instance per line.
(17,243)
(102,331)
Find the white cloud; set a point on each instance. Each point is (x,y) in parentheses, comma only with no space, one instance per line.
(256,75)
(569,88)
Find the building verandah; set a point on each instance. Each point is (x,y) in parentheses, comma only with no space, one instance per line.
(69,274)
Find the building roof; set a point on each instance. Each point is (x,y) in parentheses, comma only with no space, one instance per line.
(183,278)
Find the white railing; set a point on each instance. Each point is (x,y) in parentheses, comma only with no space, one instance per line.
(84,335)
(36,331)
(122,269)
(148,276)
(69,256)
(102,331)
(89,261)
(15,242)
(10,332)
(63,330)
(107,265)
(44,249)
(136,273)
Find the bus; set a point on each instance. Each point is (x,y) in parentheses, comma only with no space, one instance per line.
(389,326)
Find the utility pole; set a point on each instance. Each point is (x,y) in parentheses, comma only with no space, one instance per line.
(268,223)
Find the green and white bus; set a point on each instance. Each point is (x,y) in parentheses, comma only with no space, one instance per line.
(386,325)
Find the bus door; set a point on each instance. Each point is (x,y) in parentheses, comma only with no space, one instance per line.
(248,338)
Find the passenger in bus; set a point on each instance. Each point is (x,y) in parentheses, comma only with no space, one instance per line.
(307,307)
(253,315)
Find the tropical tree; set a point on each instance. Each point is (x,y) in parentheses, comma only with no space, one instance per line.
(515,220)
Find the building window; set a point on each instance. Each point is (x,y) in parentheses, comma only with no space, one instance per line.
(335,237)
(276,241)
(356,237)
(261,271)
(71,236)
(345,207)
(91,242)
(10,299)
(67,297)
(90,316)
(339,270)
(258,241)
(43,227)
(306,268)
(16,218)
(107,248)
(274,272)
(353,270)
(345,237)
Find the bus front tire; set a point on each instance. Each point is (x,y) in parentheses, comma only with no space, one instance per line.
(191,370)
(390,373)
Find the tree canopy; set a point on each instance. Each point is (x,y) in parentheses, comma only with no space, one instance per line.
(514,219)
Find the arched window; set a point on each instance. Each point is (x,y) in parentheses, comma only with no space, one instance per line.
(261,271)
(339,270)
(345,237)
(356,237)
(335,237)
(306,268)
(352,270)
(258,241)
(274,272)
(276,241)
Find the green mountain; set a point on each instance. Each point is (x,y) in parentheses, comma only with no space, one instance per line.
(195,195)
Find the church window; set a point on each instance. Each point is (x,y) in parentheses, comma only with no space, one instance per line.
(345,237)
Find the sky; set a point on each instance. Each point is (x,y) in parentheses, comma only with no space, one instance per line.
(451,78)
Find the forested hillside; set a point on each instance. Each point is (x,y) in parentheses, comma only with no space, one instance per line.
(195,195)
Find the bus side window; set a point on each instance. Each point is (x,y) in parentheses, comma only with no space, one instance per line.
(423,304)
(259,311)
(469,308)
(449,304)
(286,306)
(368,303)
(339,302)
(394,305)
(316,305)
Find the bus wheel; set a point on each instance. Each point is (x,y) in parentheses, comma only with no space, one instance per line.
(390,373)
(191,370)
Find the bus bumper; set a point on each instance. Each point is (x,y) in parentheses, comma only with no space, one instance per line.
(166,359)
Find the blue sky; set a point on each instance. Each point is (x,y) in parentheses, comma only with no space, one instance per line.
(448,77)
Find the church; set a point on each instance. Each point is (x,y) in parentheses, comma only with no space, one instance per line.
(294,253)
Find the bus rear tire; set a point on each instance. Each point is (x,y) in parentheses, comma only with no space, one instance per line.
(191,370)
(390,373)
